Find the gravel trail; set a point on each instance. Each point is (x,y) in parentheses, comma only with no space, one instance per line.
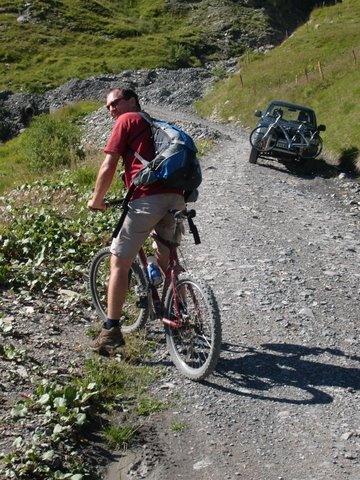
(281,251)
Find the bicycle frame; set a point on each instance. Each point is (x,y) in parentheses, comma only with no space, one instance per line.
(170,279)
(291,142)
(173,269)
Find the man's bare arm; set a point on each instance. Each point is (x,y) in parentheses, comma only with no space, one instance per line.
(103,181)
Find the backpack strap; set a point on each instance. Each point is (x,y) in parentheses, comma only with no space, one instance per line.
(125,207)
(140,158)
(137,155)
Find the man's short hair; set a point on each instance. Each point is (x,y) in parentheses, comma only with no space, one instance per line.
(126,93)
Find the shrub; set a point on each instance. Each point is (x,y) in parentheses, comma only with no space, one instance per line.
(179,56)
(51,143)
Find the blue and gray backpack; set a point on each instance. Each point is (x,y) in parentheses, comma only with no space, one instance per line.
(175,164)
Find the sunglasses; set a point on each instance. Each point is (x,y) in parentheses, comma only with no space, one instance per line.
(114,102)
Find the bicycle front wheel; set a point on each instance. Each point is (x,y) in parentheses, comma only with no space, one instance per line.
(195,345)
(263,138)
(136,307)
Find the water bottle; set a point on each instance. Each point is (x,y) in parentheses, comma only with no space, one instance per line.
(154,271)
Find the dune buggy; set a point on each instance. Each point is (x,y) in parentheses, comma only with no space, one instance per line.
(286,131)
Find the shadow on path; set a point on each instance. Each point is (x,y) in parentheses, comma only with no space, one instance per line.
(280,373)
(309,168)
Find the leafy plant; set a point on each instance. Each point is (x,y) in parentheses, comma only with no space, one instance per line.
(48,235)
(64,408)
(179,56)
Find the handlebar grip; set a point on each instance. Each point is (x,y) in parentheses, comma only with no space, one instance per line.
(114,203)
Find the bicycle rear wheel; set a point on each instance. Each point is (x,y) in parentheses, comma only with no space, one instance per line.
(263,139)
(313,149)
(195,346)
(136,307)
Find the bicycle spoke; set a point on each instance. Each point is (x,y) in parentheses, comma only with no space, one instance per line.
(195,344)
(135,309)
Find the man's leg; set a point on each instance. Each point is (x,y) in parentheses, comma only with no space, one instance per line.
(143,215)
(166,229)
(118,285)
(111,336)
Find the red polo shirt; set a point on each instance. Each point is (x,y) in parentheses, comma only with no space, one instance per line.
(133,133)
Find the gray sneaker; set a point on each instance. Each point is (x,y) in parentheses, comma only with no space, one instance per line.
(107,341)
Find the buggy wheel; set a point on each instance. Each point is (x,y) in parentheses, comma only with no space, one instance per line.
(263,139)
(253,155)
(195,345)
(136,307)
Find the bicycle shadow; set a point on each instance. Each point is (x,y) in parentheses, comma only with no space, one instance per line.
(279,373)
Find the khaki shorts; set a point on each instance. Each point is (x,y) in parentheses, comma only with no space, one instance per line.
(145,215)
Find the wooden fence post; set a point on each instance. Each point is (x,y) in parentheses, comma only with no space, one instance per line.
(321,71)
(354,55)
(306,75)
(241,81)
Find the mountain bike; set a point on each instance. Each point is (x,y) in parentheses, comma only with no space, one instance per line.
(185,305)
(303,142)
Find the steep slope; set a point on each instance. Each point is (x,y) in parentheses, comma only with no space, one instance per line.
(56,40)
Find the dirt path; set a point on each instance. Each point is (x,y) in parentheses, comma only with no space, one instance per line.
(281,251)
(282,254)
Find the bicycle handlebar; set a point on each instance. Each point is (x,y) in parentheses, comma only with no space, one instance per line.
(114,203)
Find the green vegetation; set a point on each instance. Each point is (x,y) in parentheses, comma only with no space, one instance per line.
(63,39)
(47,233)
(317,66)
(178,427)
(47,238)
(65,408)
(50,142)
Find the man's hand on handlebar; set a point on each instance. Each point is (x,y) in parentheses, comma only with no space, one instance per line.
(96,206)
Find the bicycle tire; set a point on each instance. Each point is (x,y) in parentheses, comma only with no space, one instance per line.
(263,139)
(313,150)
(195,346)
(135,310)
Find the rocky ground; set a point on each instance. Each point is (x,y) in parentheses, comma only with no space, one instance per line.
(175,89)
(281,251)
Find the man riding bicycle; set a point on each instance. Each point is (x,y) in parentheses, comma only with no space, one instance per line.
(148,206)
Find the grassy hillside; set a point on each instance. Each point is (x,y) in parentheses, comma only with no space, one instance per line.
(318,66)
(52,41)
(55,40)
